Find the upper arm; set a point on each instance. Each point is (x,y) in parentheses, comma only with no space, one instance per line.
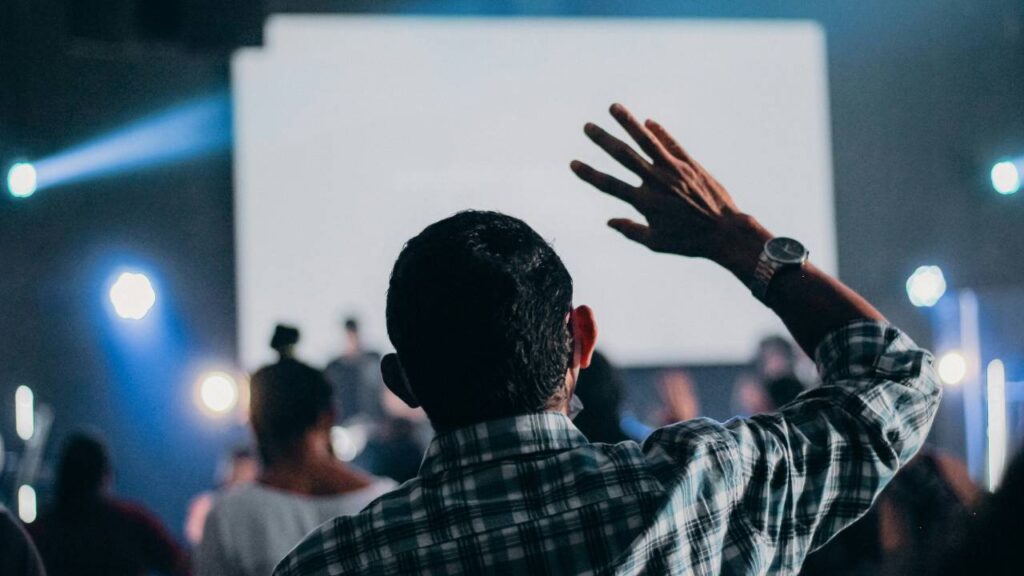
(799,476)
(812,469)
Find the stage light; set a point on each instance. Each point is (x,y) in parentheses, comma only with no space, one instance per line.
(24,412)
(197,127)
(997,431)
(132,296)
(21,180)
(952,367)
(1006,177)
(926,286)
(218,392)
(27,504)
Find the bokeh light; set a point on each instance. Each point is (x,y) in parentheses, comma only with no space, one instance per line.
(132,295)
(952,367)
(1006,177)
(218,392)
(926,286)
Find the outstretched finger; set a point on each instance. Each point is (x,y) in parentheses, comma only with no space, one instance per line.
(618,150)
(605,183)
(635,231)
(668,141)
(648,143)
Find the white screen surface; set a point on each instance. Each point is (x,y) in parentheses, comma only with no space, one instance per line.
(354,133)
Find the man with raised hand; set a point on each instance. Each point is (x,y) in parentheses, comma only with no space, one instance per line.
(489,343)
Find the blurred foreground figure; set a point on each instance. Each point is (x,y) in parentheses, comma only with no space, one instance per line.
(18,556)
(301,485)
(489,342)
(89,532)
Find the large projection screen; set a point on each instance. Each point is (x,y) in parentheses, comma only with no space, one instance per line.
(354,133)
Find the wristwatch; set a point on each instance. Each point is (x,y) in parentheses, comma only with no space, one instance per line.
(778,253)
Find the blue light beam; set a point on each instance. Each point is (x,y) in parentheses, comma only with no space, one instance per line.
(191,129)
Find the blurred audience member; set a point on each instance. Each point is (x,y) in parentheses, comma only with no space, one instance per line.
(301,485)
(783,390)
(776,358)
(749,396)
(284,340)
(992,545)
(241,467)
(18,556)
(355,378)
(89,532)
(394,450)
(600,390)
(916,520)
(677,392)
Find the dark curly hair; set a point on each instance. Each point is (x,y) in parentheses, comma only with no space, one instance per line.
(476,310)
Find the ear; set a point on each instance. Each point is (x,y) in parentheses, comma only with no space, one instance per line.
(396,381)
(584,335)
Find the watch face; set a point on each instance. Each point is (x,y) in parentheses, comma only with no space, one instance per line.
(786,250)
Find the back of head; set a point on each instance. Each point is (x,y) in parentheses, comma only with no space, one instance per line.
(84,466)
(351,324)
(287,399)
(476,310)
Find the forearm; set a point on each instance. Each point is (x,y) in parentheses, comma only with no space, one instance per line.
(810,303)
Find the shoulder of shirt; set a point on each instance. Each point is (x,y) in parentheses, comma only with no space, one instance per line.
(356,533)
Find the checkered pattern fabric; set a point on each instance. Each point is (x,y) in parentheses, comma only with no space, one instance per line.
(530,494)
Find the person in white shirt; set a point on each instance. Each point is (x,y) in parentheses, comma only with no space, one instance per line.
(301,486)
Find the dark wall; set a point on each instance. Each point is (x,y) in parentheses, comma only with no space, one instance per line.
(60,248)
(925,95)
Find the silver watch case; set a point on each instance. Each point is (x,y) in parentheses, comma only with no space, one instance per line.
(778,253)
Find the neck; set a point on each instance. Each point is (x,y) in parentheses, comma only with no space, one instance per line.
(312,474)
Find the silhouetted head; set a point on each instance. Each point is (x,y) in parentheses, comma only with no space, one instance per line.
(351,325)
(352,343)
(83,470)
(288,401)
(479,310)
(284,340)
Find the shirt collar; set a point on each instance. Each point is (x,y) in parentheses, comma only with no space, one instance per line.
(498,439)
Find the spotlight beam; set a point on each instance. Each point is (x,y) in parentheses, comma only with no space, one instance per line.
(197,127)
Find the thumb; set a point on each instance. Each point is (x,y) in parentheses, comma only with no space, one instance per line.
(633,230)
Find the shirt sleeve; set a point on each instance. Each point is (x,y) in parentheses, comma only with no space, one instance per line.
(799,476)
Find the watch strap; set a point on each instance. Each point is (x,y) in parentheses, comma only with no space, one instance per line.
(763,272)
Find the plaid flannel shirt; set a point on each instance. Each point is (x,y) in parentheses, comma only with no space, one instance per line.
(530,494)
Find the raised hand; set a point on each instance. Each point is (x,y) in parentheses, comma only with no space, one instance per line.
(688,212)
